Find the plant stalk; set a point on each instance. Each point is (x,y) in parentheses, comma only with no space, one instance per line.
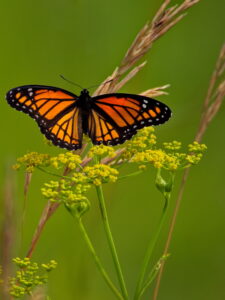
(150,249)
(96,258)
(111,242)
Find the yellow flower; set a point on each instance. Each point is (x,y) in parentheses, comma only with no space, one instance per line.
(145,139)
(32,160)
(68,159)
(101,150)
(100,173)
(196,147)
(29,276)
(174,145)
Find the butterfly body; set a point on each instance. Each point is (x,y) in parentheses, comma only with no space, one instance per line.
(108,119)
(84,102)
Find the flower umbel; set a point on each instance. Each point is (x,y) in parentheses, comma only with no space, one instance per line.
(168,157)
(29,276)
(145,139)
(32,160)
(101,151)
(100,173)
(68,159)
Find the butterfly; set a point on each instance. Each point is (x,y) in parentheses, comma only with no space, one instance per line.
(108,119)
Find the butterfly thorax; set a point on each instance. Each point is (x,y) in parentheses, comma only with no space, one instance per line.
(85,106)
(84,101)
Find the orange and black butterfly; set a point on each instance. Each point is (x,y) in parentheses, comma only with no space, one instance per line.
(109,119)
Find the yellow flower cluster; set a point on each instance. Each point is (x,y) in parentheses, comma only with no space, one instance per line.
(196,147)
(51,190)
(49,266)
(101,150)
(158,158)
(68,159)
(29,276)
(66,191)
(170,160)
(100,173)
(145,139)
(32,160)
(71,190)
(194,159)
(174,145)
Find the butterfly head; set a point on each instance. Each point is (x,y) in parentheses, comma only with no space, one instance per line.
(84,92)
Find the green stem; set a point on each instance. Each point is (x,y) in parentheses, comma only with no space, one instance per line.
(150,249)
(96,258)
(53,174)
(130,175)
(152,276)
(153,273)
(111,242)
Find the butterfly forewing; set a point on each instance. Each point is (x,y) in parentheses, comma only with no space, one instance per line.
(115,118)
(55,111)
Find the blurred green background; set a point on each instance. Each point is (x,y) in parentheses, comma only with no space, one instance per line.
(85,40)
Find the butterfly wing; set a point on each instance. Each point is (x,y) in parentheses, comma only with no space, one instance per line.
(54,109)
(115,118)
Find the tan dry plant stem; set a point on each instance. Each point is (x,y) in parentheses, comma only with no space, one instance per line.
(215,96)
(164,19)
(155,92)
(8,229)
(39,294)
(49,209)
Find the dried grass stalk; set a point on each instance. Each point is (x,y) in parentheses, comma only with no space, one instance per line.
(164,19)
(158,91)
(39,294)
(7,237)
(214,98)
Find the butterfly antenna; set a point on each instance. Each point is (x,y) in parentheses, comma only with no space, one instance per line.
(97,85)
(64,78)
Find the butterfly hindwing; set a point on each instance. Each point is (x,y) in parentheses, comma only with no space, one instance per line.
(115,118)
(101,130)
(67,131)
(54,109)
